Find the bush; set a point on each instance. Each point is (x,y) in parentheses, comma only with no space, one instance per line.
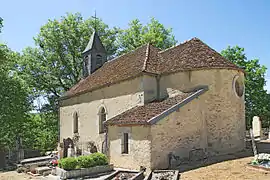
(99,159)
(68,163)
(95,159)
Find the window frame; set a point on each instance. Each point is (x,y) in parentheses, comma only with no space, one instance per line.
(75,122)
(98,60)
(102,119)
(238,87)
(125,143)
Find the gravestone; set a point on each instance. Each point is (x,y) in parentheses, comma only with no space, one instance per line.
(70,151)
(67,142)
(257,127)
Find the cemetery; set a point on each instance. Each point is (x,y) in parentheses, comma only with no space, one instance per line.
(117,94)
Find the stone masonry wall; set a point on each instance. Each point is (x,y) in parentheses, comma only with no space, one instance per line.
(224,111)
(115,99)
(139,147)
(179,133)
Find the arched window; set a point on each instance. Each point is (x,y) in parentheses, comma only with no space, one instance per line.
(75,122)
(102,119)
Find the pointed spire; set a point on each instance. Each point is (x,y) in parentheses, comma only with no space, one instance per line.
(90,44)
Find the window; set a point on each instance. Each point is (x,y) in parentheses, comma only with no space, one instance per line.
(238,86)
(102,119)
(99,60)
(75,122)
(125,143)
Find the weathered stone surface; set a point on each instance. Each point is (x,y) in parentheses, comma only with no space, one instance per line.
(36,160)
(257,127)
(41,170)
(115,99)
(82,172)
(214,122)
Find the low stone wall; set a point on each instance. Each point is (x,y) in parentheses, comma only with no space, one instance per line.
(64,174)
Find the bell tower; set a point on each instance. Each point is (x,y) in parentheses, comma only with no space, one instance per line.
(94,55)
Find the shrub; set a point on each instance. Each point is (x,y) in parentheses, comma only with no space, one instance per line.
(68,163)
(85,161)
(95,159)
(99,159)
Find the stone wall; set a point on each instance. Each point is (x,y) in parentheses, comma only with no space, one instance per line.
(178,133)
(222,112)
(115,99)
(139,147)
(150,88)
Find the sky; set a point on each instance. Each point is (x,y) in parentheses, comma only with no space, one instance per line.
(218,23)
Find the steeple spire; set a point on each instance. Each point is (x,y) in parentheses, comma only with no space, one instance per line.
(94,55)
(95,18)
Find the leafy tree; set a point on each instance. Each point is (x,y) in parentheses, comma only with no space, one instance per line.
(137,35)
(14,100)
(256,98)
(55,64)
(1,24)
(41,132)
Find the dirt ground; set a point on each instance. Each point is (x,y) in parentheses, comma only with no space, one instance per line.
(227,167)
(229,170)
(226,170)
(13,175)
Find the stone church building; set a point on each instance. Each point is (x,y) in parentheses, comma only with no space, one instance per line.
(147,104)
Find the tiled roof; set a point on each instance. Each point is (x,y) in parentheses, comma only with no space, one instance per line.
(140,115)
(124,67)
(192,54)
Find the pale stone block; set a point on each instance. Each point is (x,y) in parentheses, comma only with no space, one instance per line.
(257,127)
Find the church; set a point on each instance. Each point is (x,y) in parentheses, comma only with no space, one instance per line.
(148,104)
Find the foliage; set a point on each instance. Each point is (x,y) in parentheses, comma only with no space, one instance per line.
(68,163)
(55,64)
(137,35)
(14,99)
(1,24)
(257,100)
(42,132)
(92,160)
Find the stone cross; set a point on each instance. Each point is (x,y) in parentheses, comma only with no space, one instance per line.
(257,127)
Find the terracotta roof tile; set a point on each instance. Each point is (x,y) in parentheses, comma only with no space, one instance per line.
(192,54)
(139,115)
(124,67)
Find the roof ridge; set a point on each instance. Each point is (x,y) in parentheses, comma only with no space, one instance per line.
(146,56)
(129,52)
(186,41)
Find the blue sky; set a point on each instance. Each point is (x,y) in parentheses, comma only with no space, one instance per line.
(218,23)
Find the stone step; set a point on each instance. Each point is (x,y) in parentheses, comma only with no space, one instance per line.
(41,170)
(37,160)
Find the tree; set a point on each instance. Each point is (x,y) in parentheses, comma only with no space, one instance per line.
(256,98)
(55,64)
(137,35)
(14,99)
(1,24)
